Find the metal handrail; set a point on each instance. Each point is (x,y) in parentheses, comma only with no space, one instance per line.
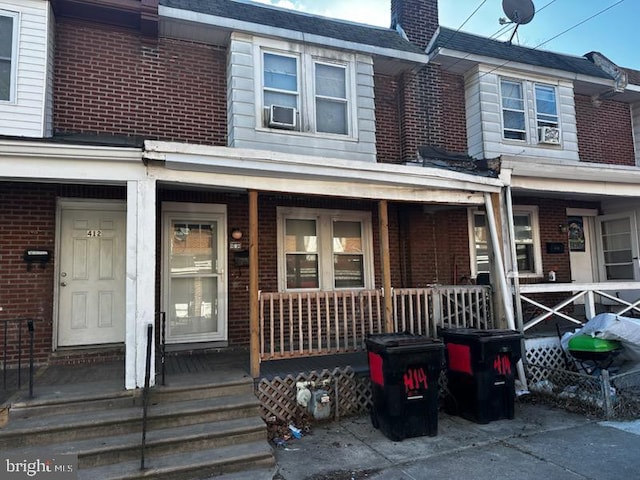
(31,331)
(163,344)
(145,393)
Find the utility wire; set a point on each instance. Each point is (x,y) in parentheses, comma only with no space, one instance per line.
(464,23)
(552,38)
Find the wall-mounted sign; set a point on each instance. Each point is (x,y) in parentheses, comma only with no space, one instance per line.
(576,234)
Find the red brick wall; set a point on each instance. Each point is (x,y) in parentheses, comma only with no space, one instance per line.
(108,82)
(418,19)
(388,146)
(27,220)
(604,132)
(454,118)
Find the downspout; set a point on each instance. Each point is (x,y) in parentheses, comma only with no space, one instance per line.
(515,276)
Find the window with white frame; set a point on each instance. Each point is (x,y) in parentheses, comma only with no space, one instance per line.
(308,93)
(513,112)
(8,41)
(516,123)
(526,239)
(324,249)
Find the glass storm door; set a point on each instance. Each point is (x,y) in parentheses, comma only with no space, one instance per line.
(195,291)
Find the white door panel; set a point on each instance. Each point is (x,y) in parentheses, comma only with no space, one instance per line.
(91,277)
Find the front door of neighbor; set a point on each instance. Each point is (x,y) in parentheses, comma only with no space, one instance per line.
(91,274)
(195,282)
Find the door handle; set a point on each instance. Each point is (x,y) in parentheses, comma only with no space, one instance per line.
(63,284)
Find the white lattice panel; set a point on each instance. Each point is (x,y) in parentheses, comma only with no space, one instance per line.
(544,352)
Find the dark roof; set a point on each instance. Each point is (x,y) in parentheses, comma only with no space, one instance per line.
(474,44)
(299,22)
(633,76)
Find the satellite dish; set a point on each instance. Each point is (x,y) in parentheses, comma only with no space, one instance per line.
(519,11)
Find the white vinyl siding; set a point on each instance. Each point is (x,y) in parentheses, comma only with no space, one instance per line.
(248,127)
(28,111)
(484,111)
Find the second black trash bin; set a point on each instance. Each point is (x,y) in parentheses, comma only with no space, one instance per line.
(481,369)
(404,371)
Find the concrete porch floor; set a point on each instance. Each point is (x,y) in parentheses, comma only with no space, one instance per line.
(53,382)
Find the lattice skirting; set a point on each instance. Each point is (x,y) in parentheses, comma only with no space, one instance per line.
(545,352)
(350,394)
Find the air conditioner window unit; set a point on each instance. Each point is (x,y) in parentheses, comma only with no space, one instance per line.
(549,135)
(282,117)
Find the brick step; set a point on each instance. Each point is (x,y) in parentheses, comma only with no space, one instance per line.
(195,465)
(122,448)
(49,429)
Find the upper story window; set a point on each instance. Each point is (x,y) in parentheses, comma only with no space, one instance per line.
(513,114)
(305,92)
(324,249)
(515,121)
(8,44)
(527,241)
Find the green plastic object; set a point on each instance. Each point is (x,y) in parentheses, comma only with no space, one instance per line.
(587,343)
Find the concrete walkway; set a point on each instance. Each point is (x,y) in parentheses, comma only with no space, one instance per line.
(541,442)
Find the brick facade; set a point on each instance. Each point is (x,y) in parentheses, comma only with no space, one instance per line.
(28,220)
(604,132)
(111,81)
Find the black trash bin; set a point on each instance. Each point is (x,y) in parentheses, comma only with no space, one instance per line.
(481,371)
(404,371)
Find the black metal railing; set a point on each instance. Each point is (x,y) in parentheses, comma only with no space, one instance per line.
(145,393)
(162,343)
(18,348)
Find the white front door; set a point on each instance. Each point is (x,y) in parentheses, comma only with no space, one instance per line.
(618,250)
(580,231)
(91,274)
(194,273)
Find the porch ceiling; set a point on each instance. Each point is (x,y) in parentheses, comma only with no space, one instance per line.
(577,180)
(277,172)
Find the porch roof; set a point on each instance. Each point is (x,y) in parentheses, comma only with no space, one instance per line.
(286,173)
(579,178)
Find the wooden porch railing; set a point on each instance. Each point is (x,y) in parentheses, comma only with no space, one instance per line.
(536,309)
(320,323)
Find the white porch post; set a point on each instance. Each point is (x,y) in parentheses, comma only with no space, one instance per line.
(499,267)
(140,283)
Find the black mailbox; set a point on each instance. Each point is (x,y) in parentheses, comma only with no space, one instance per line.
(36,255)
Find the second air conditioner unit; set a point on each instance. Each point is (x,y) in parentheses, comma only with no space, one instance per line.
(550,135)
(282,117)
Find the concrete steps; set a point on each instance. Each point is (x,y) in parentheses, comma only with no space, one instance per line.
(193,431)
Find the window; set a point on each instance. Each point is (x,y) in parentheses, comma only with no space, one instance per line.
(318,89)
(513,116)
(527,241)
(280,80)
(324,249)
(617,240)
(546,107)
(8,41)
(331,99)
(515,121)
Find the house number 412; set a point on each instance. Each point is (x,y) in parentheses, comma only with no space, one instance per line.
(94,233)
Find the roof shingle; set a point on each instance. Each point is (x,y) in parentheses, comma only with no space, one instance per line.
(477,45)
(299,22)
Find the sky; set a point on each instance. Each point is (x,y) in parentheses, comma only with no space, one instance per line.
(614,33)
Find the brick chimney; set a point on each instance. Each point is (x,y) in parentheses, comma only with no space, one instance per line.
(421,107)
(418,19)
